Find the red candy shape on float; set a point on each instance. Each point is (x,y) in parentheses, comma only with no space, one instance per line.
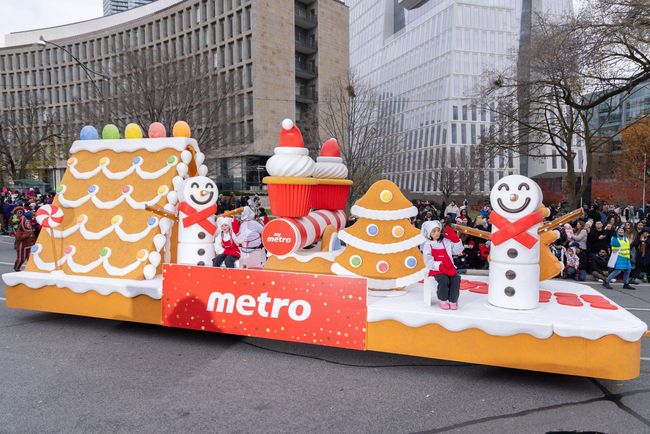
(330,149)
(290,135)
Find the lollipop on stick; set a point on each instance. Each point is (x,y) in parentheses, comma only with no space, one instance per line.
(49,217)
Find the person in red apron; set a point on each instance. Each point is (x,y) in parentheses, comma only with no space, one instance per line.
(438,252)
(225,246)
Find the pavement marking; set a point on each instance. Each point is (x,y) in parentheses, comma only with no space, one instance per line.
(6,263)
(646,359)
(3,299)
(626,308)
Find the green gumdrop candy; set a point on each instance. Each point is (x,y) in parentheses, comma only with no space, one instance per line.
(110,131)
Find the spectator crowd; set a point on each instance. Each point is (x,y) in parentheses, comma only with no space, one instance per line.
(608,242)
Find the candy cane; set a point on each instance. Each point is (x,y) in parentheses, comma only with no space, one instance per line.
(286,235)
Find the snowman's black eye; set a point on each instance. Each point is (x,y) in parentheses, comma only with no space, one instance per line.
(209,185)
(523,185)
(503,186)
(194,185)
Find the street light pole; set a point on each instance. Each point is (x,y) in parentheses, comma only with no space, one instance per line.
(90,73)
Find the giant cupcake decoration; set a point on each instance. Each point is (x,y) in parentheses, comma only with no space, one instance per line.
(290,184)
(333,189)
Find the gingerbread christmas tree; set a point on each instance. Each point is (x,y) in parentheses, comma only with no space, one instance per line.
(382,245)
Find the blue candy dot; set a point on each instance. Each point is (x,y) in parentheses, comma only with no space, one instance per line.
(88,133)
(137,160)
(151,221)
(35,248)
(92,189)
(411,262)
(372,230)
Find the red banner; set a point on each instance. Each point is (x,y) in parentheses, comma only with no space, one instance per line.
(311,308)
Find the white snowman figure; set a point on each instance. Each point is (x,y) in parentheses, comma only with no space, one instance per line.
(514,253)
(196,221)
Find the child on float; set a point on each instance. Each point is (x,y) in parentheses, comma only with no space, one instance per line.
(438,252)
(225,246)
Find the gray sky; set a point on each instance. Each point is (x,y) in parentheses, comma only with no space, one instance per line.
(20,15)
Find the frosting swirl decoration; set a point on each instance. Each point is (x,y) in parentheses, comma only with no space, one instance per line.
(290,162)
(330,168)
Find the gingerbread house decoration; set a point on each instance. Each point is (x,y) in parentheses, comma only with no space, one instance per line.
(382,245)
(104,258)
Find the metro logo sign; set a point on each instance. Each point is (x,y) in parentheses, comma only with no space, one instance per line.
(311,308)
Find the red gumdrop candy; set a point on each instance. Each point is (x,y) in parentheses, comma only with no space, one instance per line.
(566,294)
(594,298)
(606,305)
(330,149)
(569,301)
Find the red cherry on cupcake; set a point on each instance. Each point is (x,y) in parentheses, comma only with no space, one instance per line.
(330,149)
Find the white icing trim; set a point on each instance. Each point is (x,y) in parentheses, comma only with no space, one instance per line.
(93,236)
(81,284)
(75,203)
(381,283)
(132,145)
(549,318)
(137,168)
(367,246)
(68,259)
(373,214)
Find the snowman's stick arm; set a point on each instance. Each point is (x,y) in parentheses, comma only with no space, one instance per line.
(232,212)
(161,212)
(576,214)
(471,231)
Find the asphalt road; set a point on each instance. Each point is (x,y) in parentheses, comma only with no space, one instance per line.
(71,374)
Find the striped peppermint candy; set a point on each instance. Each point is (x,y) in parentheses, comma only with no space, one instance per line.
(49,216)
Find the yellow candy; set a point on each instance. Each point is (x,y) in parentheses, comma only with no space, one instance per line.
(103,161)
(163,189)
(386,196)
(72,161)
(142,255)
(398,231)
(117,219)
(132,131)
(81,218)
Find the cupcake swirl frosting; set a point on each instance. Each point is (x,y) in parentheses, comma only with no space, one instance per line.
(290,162)
(330,168)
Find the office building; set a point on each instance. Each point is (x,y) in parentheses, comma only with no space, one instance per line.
(426,59)
(280,54)
(116,6)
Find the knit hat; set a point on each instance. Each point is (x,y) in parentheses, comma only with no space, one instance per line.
(290,136)
(429,226)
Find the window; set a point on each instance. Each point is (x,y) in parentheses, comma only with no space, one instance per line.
(455,113)
(454,137)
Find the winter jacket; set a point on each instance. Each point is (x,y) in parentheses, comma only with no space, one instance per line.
(452,245)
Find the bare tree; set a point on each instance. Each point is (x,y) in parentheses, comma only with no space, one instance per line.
(446,178)
(25,135)
(144,89)
(363,125)
(547,124)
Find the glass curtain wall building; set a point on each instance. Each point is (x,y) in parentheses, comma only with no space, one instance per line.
(116,6)
(426,59)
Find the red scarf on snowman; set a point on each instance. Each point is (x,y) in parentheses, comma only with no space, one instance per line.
(516,229)
(193,217)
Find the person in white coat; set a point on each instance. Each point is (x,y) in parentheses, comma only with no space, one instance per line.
(249,238)
(438,252)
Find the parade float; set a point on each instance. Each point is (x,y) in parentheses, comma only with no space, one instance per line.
(132,225)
